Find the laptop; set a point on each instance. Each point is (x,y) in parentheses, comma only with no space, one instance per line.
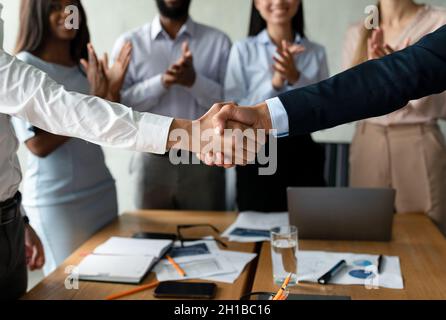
(342,213)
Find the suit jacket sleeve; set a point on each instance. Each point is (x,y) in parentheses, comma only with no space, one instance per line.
(375,88)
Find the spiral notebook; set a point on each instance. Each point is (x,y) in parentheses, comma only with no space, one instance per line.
(123,260)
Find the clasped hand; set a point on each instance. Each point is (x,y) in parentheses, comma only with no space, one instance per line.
(226,136)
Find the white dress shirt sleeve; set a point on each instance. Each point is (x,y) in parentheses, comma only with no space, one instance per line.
(279,117)
(29,94)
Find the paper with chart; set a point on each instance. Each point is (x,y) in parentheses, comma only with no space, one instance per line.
(255,226)
(238,260)
(195,267)
(361,269)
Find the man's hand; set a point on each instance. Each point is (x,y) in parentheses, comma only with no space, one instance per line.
(35,256)
(257,118)
(183,71)
(237,144)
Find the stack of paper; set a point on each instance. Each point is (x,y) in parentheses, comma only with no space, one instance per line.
(204,260)
(122,260)
(255,226)
(361,269)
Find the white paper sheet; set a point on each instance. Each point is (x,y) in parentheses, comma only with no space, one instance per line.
(314,264)
(256,221)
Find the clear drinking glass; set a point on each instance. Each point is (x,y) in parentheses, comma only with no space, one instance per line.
(284,246)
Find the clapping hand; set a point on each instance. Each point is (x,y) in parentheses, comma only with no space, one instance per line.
(106,82)
(182,72)
(116,74)
(285,69)
(95,74)
(376,46)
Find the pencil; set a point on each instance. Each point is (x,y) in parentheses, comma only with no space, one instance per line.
(133,291)
(176,266)
(284,296)
(283,288)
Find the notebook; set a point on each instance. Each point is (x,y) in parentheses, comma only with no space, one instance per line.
(123,260)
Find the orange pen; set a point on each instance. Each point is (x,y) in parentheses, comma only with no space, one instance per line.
(176,266)
(133,291)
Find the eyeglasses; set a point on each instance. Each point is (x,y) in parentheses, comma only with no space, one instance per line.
(190,226)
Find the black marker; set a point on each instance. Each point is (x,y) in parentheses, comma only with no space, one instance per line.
(380,264)
(330,274)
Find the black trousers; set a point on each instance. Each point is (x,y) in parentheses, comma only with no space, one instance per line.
(13,270)
(300,163)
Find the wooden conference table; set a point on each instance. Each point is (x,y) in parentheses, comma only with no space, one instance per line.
(418,243)
(53,287)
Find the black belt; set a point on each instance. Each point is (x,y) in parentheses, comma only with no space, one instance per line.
(10,209)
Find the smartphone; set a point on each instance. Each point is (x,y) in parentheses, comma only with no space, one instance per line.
(183,290)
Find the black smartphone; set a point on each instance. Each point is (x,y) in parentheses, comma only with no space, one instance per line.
(154,235)
(183,290)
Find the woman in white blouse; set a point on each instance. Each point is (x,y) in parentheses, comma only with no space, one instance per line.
(69,193)
(277,57)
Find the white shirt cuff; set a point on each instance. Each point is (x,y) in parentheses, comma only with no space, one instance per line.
(279,117)
(153,133)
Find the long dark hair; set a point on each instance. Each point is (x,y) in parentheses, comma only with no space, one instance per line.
(34,29)
(258,24)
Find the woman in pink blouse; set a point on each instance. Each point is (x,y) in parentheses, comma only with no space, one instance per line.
(406,149)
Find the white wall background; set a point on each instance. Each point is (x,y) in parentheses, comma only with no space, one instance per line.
(327,21)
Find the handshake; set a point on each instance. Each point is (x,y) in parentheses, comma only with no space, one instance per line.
(226,136)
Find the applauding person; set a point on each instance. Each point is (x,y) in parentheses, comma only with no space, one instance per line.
(177,69)
(276,58)
(404,150)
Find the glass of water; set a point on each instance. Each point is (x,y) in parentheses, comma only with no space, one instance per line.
(284,254)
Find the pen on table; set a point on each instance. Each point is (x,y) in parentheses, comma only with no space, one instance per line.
(380,264)
(176,266)
(333,271)
(133,291)
(281,291)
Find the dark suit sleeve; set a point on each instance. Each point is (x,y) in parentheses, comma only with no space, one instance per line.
(375,88)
